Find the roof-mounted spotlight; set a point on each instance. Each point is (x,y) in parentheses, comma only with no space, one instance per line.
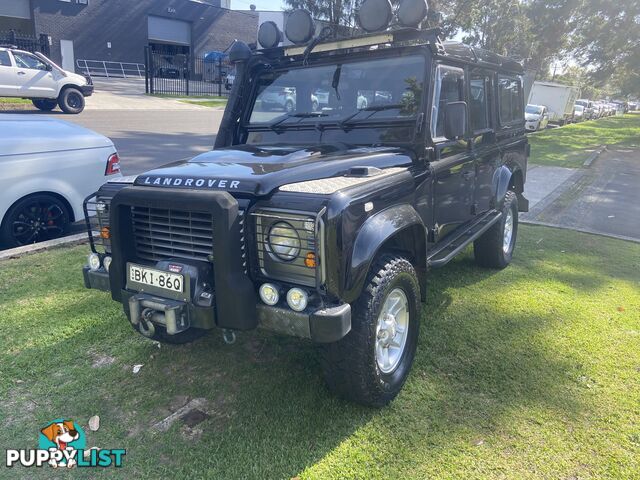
(300,27)
(412,12)
(375,15)
(269,35)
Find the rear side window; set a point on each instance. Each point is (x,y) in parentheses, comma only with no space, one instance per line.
(449,88)
(5,61)
(479,101)
(510,99)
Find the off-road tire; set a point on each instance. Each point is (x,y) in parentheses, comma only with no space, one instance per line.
(71,100)
(489,249)
(44,104)
(349,365)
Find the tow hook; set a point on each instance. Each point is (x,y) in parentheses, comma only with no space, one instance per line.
(229,336)
(146,325)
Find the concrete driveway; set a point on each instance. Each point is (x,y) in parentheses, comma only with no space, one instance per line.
(604,198)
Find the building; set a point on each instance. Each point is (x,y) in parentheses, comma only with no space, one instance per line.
(119,30)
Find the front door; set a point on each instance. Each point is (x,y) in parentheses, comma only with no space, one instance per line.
(68,58)
(34,78)
(7,76)
(454,169)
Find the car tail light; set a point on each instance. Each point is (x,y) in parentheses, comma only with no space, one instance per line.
(113,165)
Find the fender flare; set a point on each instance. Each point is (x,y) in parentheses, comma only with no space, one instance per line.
(373,234)
(501,181)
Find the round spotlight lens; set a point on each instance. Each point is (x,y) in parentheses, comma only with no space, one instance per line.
(94,261)
(269,35)
(284,241)
(107,262)
(297,299)
(269,293)
(300,27)
(375,15)
(412,12)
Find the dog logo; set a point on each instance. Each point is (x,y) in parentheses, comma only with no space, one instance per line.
(65,436)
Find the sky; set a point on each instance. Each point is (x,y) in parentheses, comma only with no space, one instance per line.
(260,4)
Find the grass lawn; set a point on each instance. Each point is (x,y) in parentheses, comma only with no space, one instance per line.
(11,100)
(214,102)
(570,146)
(527,373)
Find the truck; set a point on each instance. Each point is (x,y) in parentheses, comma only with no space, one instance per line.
(324,222)
(559,100)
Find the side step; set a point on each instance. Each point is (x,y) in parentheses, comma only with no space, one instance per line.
(444,253)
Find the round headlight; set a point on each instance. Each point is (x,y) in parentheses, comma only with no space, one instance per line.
(284,241)
(106,262)
(297,299)
(269,293)
(94,261)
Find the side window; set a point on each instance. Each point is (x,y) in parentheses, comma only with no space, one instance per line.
(449,88)
(510,99)
(24,60)
(479,101)
(5,61)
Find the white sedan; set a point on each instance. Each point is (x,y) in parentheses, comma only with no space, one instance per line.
(48,167)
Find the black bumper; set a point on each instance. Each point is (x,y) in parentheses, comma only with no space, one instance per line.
(98,279)
(87,90)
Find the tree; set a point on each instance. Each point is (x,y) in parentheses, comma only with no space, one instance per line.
(334,12)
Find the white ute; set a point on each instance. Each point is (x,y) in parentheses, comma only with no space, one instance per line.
(48,168)
(34,76)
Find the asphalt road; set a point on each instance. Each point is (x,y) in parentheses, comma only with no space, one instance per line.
(149,139)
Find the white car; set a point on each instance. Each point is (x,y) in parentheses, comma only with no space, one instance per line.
(48,168)
(34,76)
(537,117)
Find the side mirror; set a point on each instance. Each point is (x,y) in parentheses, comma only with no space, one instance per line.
(48,67)
(455,120)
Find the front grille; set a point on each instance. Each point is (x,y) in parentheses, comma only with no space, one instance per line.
(161,234)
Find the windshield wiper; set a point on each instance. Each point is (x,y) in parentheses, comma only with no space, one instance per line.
(344,123)
(274,126)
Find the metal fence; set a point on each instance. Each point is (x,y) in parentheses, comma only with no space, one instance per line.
(186,75)
(26,42)
(100,68)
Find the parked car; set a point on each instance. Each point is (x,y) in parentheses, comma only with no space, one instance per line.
(559,100)
(578,113)
(48,168)
(537,117)
(34,76)
(325,224)
(589,113)
(284,98)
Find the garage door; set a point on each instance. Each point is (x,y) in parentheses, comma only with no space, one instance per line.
(15,9)
(169,30)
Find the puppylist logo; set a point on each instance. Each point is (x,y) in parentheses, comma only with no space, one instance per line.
(62,443)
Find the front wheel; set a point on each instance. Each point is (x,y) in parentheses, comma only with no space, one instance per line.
(44,104)
(71,100)
(370,365)
(494,249)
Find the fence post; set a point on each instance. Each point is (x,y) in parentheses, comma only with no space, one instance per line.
(146,70)
(220,76)
(151,68)
(188,65)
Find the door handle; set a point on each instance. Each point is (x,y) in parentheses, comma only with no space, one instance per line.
(22,73)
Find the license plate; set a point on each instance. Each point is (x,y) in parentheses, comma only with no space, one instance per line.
(156,278)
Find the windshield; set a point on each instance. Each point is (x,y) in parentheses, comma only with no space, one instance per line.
(533,109)
(579,108)
(384,88)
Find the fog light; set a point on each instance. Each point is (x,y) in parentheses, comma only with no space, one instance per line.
(297,299)
(94,261)
(107,263)
(269,294)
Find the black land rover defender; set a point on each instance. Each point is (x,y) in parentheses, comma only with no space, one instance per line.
(322,220)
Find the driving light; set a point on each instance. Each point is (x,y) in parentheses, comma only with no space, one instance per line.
(375,15)
(412,12)
(269,293)
(107,262)
(297,299)
(269,35)
(284,241)
(94,261)
(300,27)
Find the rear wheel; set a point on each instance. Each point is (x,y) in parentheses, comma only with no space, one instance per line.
(44,104)
(370,365)
(71,100)
(34,219)
(494,249)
